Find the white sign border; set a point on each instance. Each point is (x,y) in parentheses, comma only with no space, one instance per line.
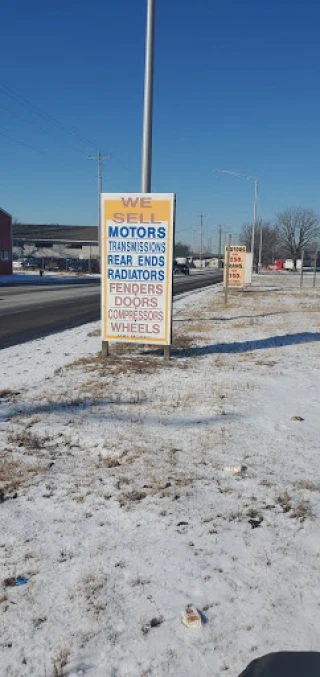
(171,197)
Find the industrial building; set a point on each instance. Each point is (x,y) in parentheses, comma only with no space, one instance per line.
(63,246)
(5,243)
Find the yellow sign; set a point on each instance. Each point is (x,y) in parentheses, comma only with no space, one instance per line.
(137,260)
(237,266)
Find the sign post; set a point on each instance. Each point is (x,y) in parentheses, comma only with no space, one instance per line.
(234,274)
(137,267)
(315,267)
(301,270)
(226,272)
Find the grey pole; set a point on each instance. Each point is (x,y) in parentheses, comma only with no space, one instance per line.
(148,101)
(100,159)
(227,266)
(315,267)
(260,246)
(254,217)
(301,271)
(219,248)
(99,209)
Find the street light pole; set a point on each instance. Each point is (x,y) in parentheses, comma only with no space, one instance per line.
(148,101)
(219,248)
(100,158)
(248,178)
(254,217)
(201,248)
(260,246)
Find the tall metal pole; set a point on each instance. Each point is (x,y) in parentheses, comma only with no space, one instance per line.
(219,248)
(227,271)
(260,246)
(254,217)
(201,221)
(193,232)
(100,159)
(148,101)
(99,209)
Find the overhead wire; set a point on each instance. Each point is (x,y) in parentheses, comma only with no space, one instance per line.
(22,143)
(15,96)
(41,130)
(46,116)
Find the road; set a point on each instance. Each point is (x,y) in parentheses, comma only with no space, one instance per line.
(29,312)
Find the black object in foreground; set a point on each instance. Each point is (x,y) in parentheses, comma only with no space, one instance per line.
(285,664)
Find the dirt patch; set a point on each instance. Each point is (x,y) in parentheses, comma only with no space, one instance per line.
(8,395)
(95,332)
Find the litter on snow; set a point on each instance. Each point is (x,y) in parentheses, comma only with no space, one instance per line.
(191,617)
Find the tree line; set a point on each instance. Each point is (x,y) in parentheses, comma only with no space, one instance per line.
(295,230)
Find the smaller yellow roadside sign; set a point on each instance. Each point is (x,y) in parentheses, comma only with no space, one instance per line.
(237,265)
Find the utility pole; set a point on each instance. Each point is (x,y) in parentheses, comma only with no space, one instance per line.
(193,248)
(148,100)
(248,178)
(100,158)
(260,246)
(219,247)
(254,217)
(201,226)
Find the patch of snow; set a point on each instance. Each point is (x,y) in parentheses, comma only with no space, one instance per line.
(124,512)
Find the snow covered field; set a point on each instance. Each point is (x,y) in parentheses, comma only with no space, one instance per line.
(117,507)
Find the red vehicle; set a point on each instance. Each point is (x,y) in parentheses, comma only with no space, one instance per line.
(277,265)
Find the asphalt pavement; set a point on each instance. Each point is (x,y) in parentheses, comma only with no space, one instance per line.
(28,312)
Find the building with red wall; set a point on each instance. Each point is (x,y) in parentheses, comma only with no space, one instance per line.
(5,243)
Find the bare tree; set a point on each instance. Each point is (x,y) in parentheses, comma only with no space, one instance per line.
(270,241)
(298,230)
(181,249)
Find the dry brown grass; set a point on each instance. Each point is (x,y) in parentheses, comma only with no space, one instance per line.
(108,462)
(285,501)
(307,485)
(269,363)
(302,510)
(60,663)
(14,475)
(116,365)
(6,394)
(198,327)
(95,332)
(28,440)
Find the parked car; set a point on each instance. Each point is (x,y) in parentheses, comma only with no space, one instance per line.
(180,268)
(74,268)
(30,264)
(52,266)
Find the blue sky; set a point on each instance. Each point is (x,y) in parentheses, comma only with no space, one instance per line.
(236,87)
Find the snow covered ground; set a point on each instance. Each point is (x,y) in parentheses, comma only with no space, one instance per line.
(117,506)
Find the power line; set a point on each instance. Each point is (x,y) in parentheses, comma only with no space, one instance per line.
(42,131)
(15,96)
(8,91)
(46,116)
(21,143)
